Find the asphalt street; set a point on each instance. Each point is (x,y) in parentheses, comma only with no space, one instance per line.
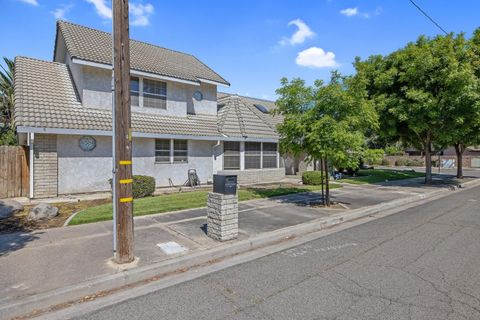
(421,263)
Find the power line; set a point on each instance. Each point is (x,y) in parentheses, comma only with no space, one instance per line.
(428,17)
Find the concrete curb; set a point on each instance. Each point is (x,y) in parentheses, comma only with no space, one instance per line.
(146,274)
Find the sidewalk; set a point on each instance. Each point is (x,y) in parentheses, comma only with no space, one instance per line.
(45,260)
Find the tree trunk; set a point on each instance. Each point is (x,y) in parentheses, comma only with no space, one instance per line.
(459,149)
(428,162)
(321,178)
(327,184)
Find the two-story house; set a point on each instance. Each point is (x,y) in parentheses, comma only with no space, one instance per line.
(63,114)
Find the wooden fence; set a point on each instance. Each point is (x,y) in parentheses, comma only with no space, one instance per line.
(14,172)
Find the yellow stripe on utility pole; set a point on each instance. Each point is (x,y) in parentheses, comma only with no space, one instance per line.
(125,162)
(126,199)
(126,181)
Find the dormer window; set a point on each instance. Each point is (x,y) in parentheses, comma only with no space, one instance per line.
(148,93)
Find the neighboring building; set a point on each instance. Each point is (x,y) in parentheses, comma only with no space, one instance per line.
(63,113)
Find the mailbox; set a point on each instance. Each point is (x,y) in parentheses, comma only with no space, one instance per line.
(225,183)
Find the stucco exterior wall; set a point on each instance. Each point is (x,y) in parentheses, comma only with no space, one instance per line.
(94,88)
(80,171)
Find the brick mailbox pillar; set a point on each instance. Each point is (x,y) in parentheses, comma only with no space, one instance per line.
(222,209)
(222,216)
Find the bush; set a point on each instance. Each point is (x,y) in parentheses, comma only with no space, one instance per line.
(415,163)
(143,186)
(394,151)
(385,162)
(373,156)
(312,178)
(401,162)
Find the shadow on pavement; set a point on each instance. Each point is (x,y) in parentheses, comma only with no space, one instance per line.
(15,241)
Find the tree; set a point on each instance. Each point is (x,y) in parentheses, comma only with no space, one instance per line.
(7,132)
(326,121)
(461,102)
(414,89)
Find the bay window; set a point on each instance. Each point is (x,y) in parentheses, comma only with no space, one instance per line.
(269,155)
(253,155)
(231,155)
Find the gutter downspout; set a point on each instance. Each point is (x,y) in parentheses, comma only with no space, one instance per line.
(214,157)
(30,142)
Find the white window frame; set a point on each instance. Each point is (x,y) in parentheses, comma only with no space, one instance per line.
(141,93)
(172,152)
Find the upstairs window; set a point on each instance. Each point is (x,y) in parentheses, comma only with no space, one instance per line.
(180,151)
(269,155)
(253,151)
(154,94)
(134,91)
(231,155)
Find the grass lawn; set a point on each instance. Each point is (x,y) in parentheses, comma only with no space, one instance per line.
(184,200)
(381,175)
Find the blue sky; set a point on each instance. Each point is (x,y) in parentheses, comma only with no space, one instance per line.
(251,43)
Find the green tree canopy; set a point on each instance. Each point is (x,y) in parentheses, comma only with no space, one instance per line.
(420,90)
(326,120)
(7,131)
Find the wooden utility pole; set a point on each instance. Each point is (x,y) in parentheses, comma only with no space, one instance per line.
(123,199)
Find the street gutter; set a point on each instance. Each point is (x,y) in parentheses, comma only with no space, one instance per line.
(71,299)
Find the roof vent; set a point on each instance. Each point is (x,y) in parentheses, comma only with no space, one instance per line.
(261,108)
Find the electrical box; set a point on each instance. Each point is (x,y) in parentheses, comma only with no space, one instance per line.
(225,183)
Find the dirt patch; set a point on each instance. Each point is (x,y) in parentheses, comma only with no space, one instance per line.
(19,222)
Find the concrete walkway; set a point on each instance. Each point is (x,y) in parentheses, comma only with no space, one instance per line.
(45,260)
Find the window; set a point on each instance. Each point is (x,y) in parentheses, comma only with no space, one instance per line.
(253,151)
(162,150)
(269,155)
(180,151)
(231,155)
(154,94)
(134,91)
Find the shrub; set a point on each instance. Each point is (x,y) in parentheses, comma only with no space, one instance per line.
(394,151)
(373,156)
(385,162)
(312,178)
(415,163)
(143,186)
(401,162)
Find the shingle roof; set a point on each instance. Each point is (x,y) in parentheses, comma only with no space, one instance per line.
(96,46)
(45,97)
(238,118)
(271,118)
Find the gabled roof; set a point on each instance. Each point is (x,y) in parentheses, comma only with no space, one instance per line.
(96,46)
(45,97)
(238,118)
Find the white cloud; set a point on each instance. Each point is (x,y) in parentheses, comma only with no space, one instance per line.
(60,12)
(139,13)
(349,12)
(102,9)
(303,33)
(315,57)
(32,2)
